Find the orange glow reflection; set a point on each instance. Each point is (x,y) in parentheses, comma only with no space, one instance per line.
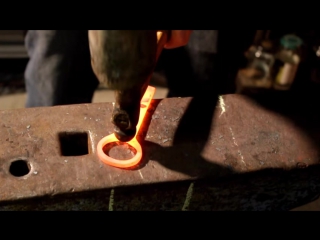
(145,102)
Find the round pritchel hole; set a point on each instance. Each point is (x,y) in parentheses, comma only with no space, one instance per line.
(119,150)
(19,168)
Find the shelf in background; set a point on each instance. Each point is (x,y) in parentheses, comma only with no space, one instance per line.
(12,44)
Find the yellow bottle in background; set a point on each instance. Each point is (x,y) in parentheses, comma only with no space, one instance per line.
(289,58)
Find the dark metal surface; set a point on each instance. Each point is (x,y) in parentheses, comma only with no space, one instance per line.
(234,142)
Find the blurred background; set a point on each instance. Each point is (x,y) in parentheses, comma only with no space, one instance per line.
(250,62)
(13,61)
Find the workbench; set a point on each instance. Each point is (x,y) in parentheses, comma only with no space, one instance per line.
(209,152)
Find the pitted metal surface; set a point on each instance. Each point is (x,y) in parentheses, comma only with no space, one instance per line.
(184,139)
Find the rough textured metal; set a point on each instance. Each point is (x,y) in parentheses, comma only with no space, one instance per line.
(232,140)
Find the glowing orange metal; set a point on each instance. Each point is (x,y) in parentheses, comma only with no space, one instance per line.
(145,102)
(162,38)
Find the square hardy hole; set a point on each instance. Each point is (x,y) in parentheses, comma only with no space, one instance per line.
(74,143)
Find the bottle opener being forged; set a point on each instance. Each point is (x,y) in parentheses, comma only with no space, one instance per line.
(162,37)
(145,102)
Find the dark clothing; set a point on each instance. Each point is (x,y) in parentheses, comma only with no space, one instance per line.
(211,58)
(59,71)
